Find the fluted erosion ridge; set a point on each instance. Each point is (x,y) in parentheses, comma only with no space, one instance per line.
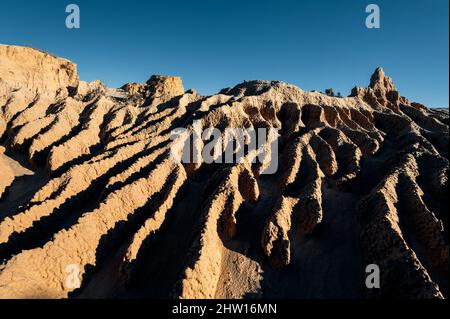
(361,180)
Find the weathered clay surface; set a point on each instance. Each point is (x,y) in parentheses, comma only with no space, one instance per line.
(361,180)
(6,173)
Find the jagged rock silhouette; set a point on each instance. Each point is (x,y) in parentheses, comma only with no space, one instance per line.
(362,180)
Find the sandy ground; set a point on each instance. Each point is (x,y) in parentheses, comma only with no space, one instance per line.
(106,212)
(27,180)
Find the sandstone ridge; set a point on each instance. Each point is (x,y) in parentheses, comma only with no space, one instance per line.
(361,180)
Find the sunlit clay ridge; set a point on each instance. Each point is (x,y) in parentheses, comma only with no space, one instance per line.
(93,203)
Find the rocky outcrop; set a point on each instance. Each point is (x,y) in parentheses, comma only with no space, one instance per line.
(364,176)
(25,72)
(157,90)
(381,92)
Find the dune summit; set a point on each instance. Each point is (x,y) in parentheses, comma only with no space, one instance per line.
(107,213)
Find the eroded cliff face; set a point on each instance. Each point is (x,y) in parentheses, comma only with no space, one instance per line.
(361,180)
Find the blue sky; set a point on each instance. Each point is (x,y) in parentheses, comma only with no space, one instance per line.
(213,44)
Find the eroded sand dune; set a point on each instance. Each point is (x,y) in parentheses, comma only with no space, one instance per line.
(361,180)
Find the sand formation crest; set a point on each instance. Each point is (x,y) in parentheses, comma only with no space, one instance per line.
(361,180)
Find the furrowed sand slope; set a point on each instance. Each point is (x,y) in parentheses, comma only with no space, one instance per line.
(361,180)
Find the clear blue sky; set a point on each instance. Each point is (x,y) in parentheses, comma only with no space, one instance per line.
(213,44)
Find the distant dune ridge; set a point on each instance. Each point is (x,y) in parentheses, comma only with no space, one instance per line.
(361,180)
